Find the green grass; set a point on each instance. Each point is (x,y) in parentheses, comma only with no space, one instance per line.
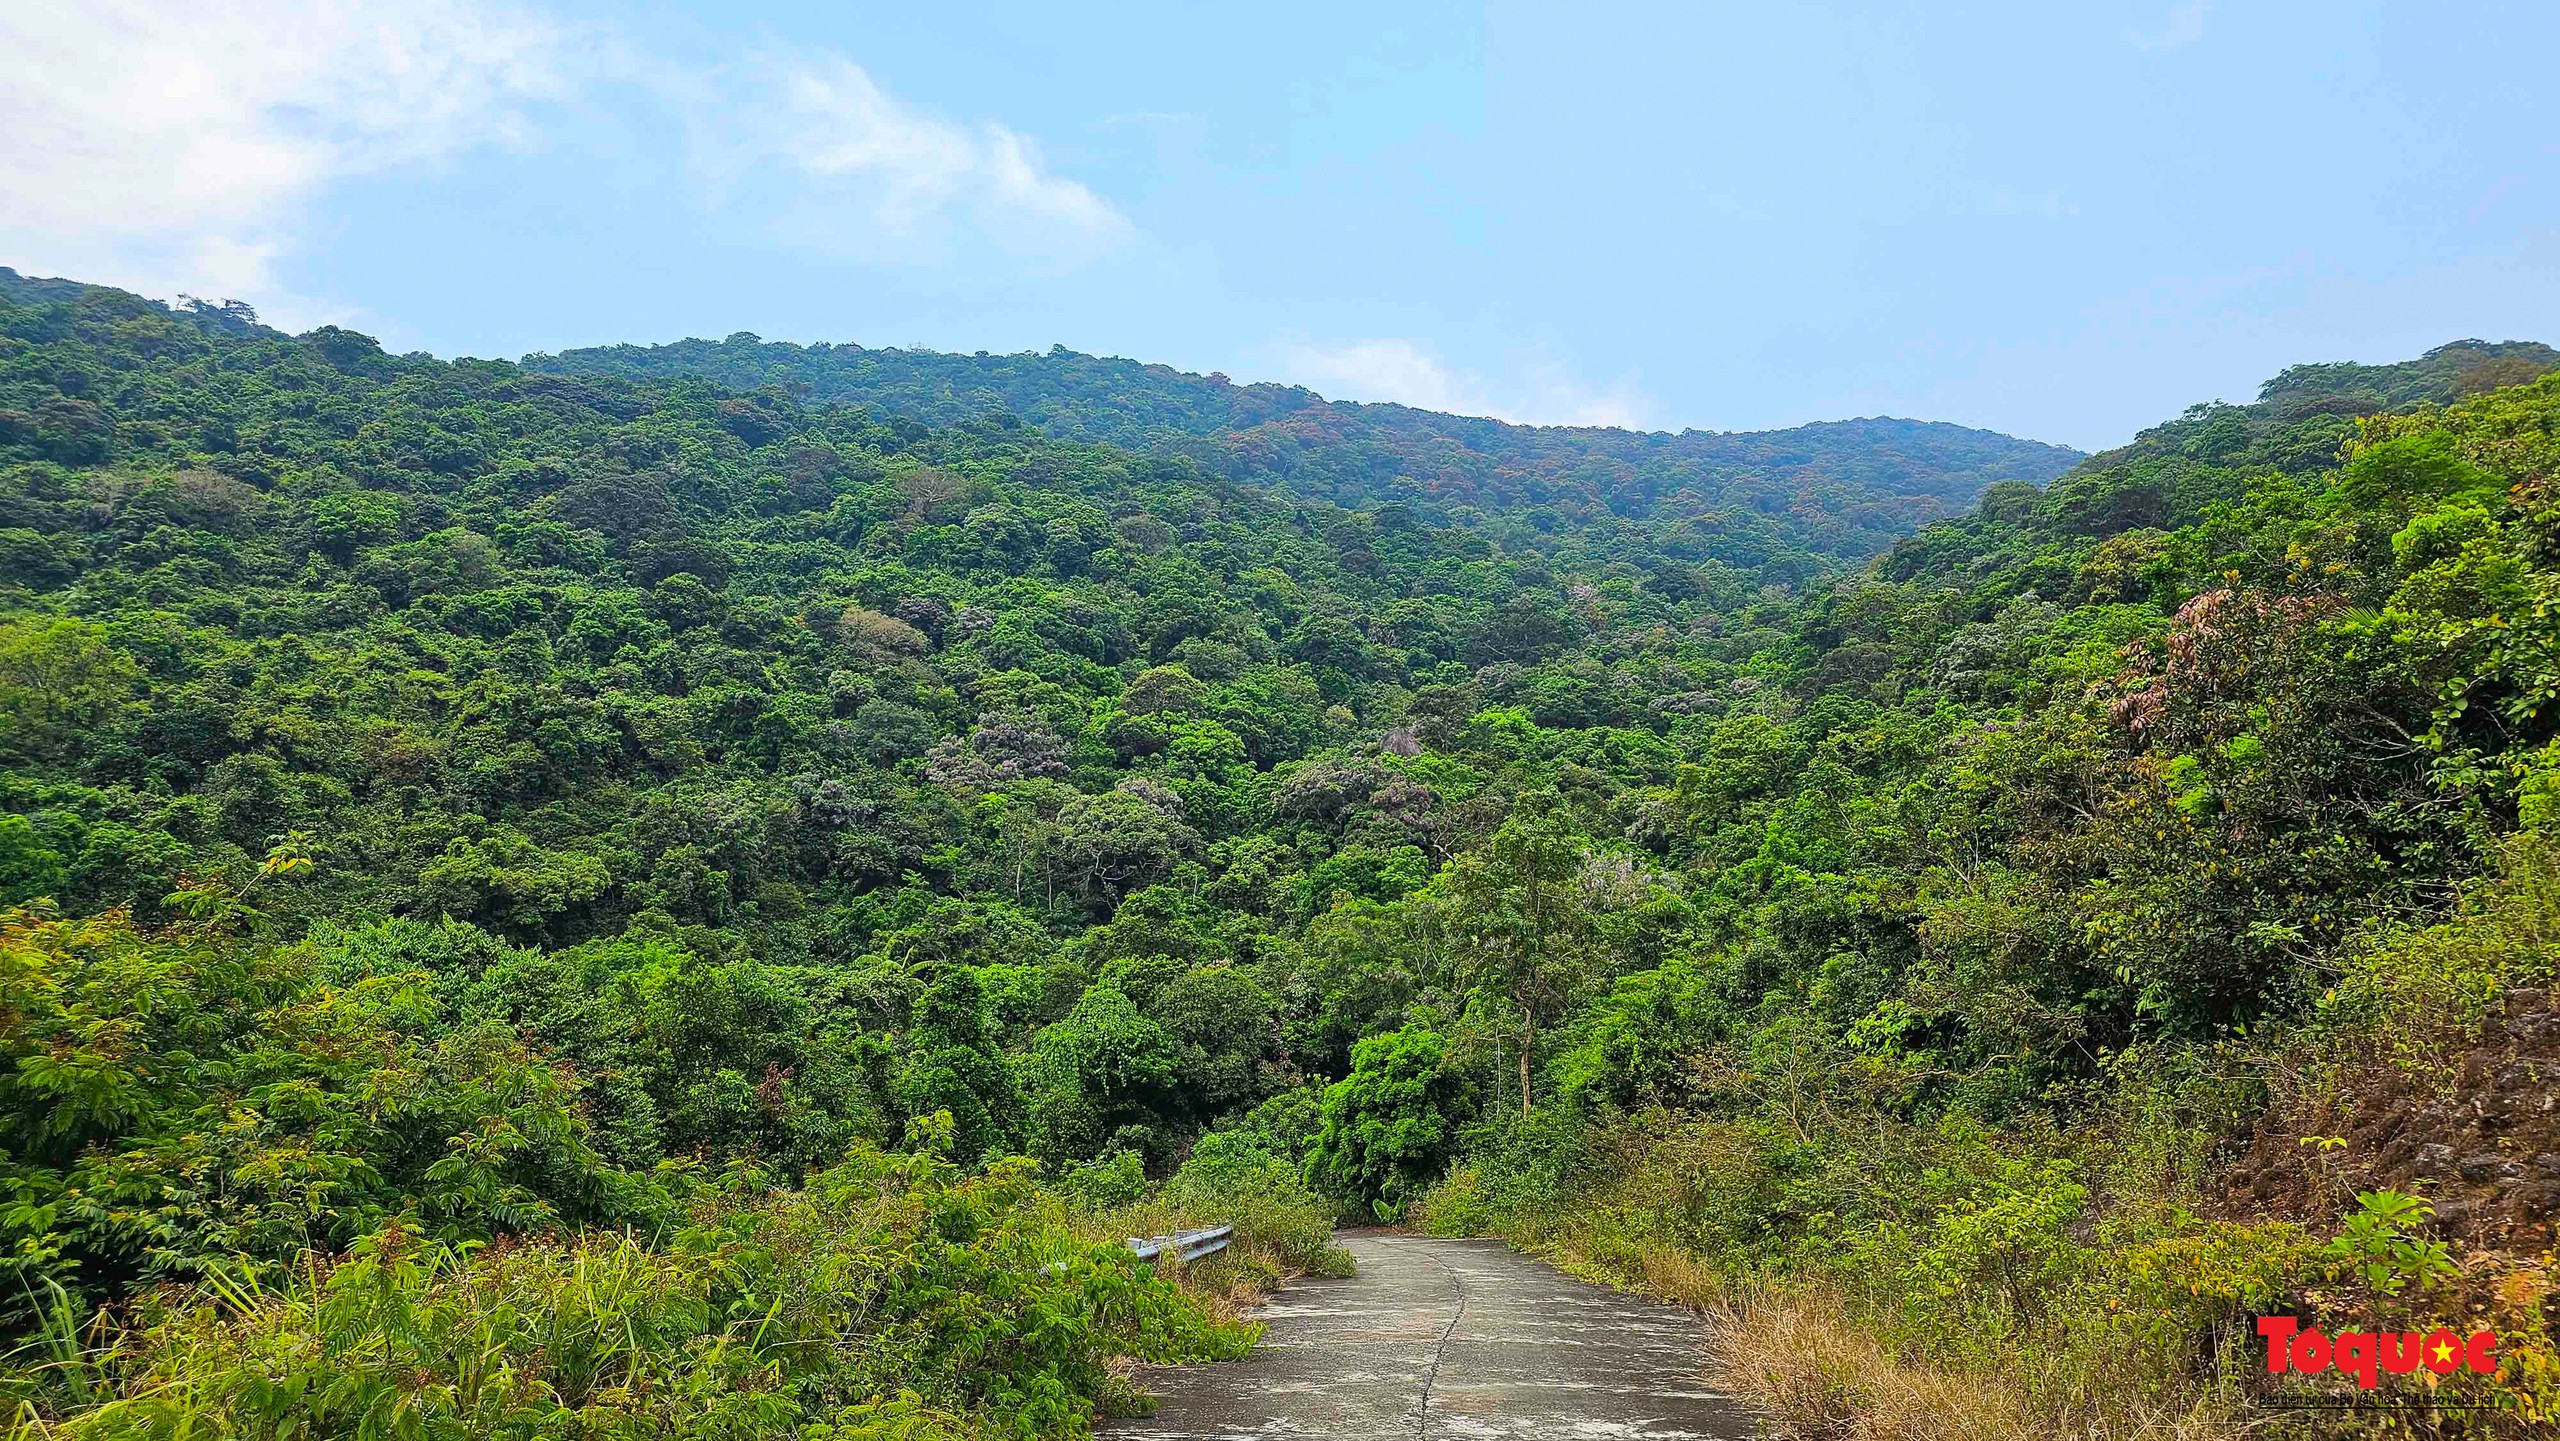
(889,1298)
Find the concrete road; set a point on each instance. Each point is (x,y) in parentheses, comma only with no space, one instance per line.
(1449,1339)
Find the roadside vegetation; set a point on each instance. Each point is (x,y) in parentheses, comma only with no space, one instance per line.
(2227,945)
(552,903)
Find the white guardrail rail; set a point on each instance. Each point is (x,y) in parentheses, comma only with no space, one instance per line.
(1183,1245)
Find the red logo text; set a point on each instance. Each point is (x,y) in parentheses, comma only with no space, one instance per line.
(2366,1354)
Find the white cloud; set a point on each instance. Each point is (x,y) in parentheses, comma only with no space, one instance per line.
(1396,370)
(2185,27)
(186,145)
(1404,372)
(870,175)
(173,145)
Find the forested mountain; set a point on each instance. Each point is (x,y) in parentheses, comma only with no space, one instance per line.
(1841,489)
(492,849)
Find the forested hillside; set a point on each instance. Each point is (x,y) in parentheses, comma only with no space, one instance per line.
(1839,490)
(559,903)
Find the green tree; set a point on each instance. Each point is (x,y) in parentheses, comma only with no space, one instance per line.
(60,681)
(1101,1069)
(1391,1124)
(954,1065)
(1519,924)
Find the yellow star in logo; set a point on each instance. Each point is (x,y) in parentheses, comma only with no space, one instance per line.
(2444,1351)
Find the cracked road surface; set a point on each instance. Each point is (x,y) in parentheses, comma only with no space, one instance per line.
(1450,1340)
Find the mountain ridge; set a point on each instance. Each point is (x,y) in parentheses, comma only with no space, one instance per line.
(1358,453)
(1289,393)
(1788,504)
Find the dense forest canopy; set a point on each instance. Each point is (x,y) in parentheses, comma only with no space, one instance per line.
(1842,489)
(484,800)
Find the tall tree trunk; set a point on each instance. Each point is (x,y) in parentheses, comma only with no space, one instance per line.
(1528,1045)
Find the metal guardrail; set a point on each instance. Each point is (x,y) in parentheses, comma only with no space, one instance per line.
(1183,1245)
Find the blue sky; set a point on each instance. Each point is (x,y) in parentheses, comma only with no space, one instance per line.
(2062,221)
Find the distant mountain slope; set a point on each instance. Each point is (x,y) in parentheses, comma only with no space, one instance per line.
(1883,477)
(2439,377)
(228,317)
(2173,474)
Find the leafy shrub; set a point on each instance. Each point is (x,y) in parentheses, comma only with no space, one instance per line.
(2380,1244)
(1993,1253)
(185,1099)
(1116,1180)
(2415,991)
(1456,1205)
(891,1297)
(1231,1179)
(1388,1126)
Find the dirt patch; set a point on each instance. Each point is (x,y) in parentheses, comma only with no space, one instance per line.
(2479,1138)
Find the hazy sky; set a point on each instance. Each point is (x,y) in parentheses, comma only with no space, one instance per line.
(2066,221)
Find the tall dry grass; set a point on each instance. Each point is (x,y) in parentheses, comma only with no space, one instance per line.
(1817,1375)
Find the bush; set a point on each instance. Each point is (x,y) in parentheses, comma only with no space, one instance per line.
(1456,1205)
(2416,994)
(1119,1179)
(1282,1229)
(892,1297)
(1387,1128)
(182,1099)
(1233,1181)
